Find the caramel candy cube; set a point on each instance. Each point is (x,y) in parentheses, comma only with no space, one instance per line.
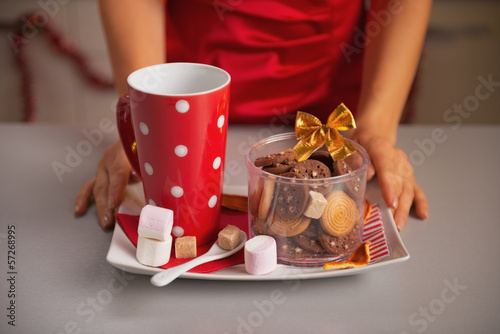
(185,247)
(229,237)
(316,206)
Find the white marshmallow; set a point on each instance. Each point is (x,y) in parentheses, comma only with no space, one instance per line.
(154,253)
(155,222)
(261,255)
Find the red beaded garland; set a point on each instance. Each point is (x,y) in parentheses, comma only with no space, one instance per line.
(19,40)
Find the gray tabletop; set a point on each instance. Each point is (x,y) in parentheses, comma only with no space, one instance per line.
(58,280)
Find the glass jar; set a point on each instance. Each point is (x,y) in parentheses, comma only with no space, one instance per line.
(313,220)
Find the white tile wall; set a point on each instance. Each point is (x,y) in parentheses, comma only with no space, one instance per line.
(463,43)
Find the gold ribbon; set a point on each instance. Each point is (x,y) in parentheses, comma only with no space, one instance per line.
(312,133)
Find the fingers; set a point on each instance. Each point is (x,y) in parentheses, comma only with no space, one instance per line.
(420,203)
(405,201)
(395,176)
(389,179)
(107,187)
(83,197)
(400,191)
(119,174)
(104,214)
(398,185)
(389,185)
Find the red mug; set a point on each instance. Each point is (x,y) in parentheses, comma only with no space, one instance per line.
(173,127)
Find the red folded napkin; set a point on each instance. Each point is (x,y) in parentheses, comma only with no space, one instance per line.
(130,223)
(373,232)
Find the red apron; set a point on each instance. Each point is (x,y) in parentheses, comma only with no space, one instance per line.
(283,56)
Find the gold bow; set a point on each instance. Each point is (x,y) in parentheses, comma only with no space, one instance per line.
(313,134)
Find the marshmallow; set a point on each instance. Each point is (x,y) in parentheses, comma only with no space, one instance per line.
(154,253)
(185,247)
(316,206)
(229,237)
(260,255)
(155,222)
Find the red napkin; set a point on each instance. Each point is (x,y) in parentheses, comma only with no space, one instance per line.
(130,223)
(373,232)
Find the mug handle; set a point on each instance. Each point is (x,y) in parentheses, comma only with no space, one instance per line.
(126,132)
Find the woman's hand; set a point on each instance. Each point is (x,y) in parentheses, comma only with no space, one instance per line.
(395,176)
(107,187)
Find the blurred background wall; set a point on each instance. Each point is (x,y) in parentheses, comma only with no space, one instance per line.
(462,46)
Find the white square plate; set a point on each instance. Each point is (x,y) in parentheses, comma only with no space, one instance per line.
(121,252)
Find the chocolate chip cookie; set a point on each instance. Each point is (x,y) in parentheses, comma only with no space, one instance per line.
(341,167)
(309,239)
(283,157)
(313,169)
(291,200)
(324,157)
(340,245)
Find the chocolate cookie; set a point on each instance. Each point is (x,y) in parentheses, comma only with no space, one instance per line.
(291,200)
(313,169)
(340,245)
(311,245)
(313,230)
(340,167)
(324,157)
(277,168)
(283,157)
(292,175)
(288,249)
(308,239)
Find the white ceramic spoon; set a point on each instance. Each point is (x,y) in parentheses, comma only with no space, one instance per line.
(214,253)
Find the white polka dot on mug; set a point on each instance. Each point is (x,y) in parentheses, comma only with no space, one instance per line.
(212,201)
(181,151)
(182,106)
(177,191)
(216,163)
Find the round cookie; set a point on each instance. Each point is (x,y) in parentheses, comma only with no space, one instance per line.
(291,200)
(259,226)
(290,156)
(308,239)
(292,175)
(340,214)
(289,228)
(285,157)
(277,168)
(312,169)
(340,167)
(255,197)
(324,157)
(313,230)
(265,199)
(340,245)
(288,249)
(309,244)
